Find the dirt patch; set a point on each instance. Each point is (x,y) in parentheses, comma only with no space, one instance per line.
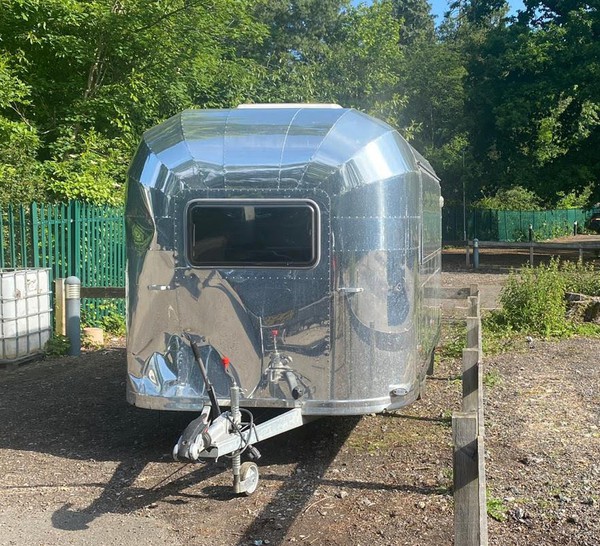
(544,444)
(81,466)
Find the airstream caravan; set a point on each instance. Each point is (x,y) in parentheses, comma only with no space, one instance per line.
(279,256)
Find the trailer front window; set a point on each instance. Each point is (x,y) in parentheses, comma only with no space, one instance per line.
(253,233)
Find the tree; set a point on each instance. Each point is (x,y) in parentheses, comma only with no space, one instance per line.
(102,71)
(515,198)
(334,53)
(533,93)
(20,173)
(364,66)
(416,21)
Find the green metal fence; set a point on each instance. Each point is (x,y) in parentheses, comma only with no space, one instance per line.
(89,241)
(70,239)
(510,225)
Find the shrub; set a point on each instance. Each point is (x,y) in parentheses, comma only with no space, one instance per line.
(581,278)
(574,199)
(114,323)
(515,198)
(106,315)
(533,301)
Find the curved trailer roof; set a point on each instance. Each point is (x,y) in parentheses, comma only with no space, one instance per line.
(274,146)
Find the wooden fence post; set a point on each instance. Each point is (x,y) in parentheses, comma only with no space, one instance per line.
(60,317)
(470,382)
(466,483)
(531,254)
(482,483)
(468,432)
(474,333)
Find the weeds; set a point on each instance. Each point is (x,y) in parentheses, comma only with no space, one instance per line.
(107,316)
(498,334)
(496,508)
(57,345)
(114,324)
(492,378)
(581,278)
(533,303)
(453,341)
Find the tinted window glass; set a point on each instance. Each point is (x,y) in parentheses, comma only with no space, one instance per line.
(253,233)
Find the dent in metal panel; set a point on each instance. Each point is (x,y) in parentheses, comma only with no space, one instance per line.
(273,325)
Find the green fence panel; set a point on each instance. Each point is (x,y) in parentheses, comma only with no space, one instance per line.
(70,239)
(510,225)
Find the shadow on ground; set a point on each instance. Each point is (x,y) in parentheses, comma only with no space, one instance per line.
(75,409)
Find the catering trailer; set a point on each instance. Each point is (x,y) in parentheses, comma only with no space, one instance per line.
(279,256)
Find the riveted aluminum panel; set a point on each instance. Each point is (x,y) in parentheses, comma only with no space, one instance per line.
(350,335)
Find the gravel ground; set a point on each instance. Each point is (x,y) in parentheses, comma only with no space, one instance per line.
(80,466)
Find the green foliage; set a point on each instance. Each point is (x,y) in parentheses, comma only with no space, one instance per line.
(534,110)
(496,508)
(20,173)
(574,199)
(114,323)
(417,22)
(491,379)
(533,301)
(515,198)
(107,315)
(57,345)
(581,278)
(350,57)
(89,77)
(498,335)
(363,68)
(493,102)
(454,340)
(89,169)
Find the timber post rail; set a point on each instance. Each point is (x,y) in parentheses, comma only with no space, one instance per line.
(468,432)
(581,246)
(102,292)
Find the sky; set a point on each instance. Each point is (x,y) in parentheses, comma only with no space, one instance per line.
(441,6)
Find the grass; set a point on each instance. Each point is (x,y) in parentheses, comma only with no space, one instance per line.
(454,336)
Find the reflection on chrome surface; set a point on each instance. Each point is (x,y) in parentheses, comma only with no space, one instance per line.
(349,334)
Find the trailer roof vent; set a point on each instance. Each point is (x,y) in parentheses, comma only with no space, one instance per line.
(288,105)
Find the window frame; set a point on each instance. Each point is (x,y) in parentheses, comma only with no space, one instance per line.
(256,202)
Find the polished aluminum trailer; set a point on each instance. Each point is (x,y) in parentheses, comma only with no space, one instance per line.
(283,256)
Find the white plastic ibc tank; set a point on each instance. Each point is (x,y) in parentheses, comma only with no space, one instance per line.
(24,312)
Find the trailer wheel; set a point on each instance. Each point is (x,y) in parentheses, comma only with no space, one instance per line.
(249,478)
